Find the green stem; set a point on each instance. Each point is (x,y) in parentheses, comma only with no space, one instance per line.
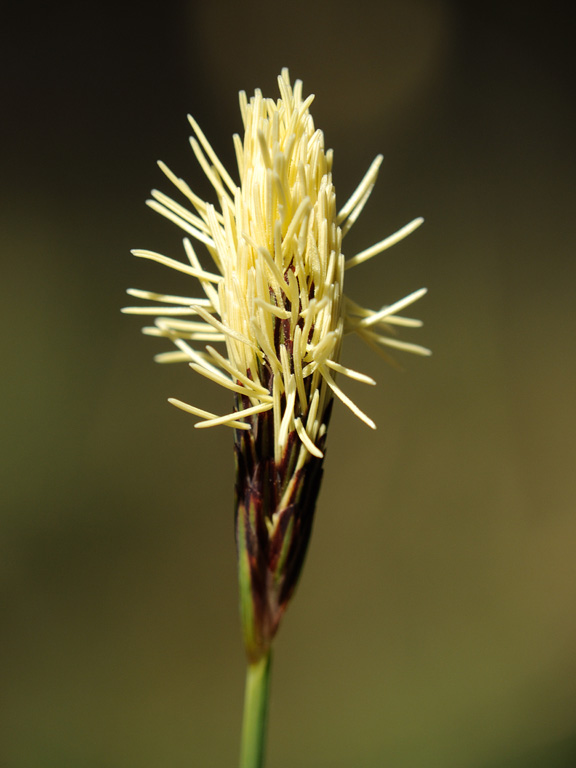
(255,713)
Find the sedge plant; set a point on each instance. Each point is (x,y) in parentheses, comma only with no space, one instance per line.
(268,324)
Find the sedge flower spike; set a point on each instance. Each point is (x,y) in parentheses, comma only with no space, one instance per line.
(274,298)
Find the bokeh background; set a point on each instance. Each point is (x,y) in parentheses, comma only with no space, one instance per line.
(435,624)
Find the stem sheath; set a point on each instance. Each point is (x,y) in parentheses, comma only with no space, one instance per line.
(255,713)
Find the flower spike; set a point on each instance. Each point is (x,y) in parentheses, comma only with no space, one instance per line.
(274,298)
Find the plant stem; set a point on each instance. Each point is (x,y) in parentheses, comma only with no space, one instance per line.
(255,713)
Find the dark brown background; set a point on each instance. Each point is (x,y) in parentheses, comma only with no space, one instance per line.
(435,624)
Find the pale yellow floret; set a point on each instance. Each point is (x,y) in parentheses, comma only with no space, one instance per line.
(162,297)
(230,418)
(180,222)
(365,186)
(179,210)
(303,435)
(288,415)
(183,187)
(345,399)
(235,372)
(383,245)
(210,291)
(212,155)
(386,312)
(275,298)
(218,378)
(200,274)
(171,357)
(211,418)
(154,311)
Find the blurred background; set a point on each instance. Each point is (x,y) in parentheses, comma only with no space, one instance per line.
(435,624)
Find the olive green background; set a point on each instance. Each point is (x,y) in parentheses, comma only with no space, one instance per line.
(435,623)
